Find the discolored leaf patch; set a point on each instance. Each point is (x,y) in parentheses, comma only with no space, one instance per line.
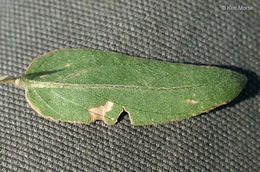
(98,113)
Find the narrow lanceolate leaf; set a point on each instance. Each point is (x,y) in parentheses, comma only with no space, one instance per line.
(88,85)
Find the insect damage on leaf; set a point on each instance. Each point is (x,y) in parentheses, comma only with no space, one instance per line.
(83,86)
(98,113)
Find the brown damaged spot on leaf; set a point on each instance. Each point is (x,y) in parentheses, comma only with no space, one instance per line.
(98,113)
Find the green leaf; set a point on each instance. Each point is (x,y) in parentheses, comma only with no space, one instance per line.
(87,85)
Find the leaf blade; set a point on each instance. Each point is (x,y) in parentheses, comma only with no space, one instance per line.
(105,82)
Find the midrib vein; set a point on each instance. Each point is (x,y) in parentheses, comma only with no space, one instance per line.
(37,84)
